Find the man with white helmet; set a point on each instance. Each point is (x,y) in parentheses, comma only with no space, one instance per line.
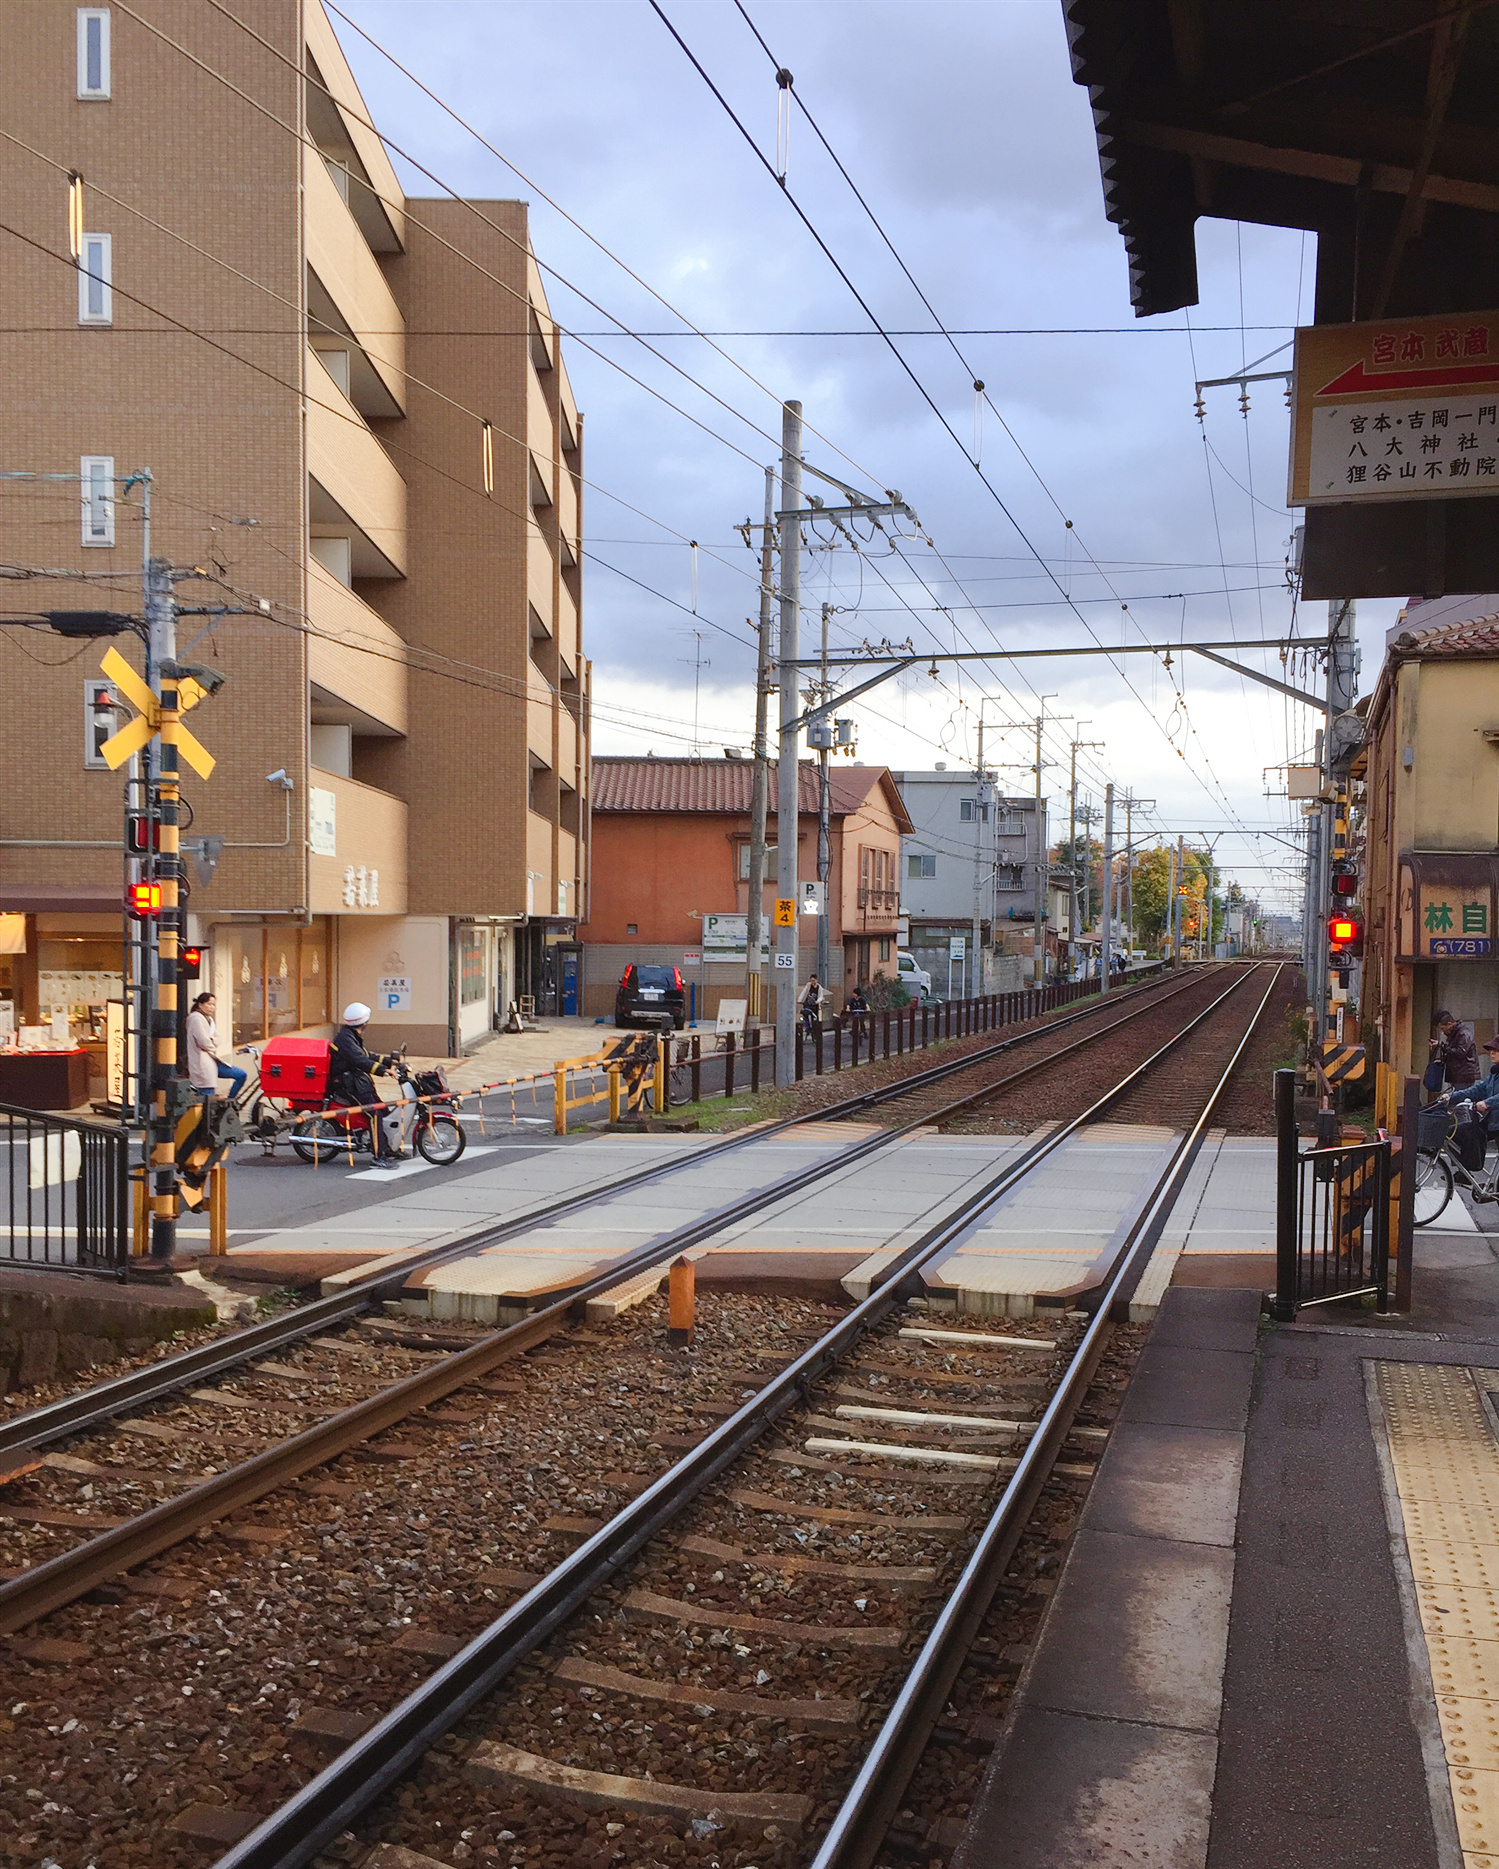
(351,1078)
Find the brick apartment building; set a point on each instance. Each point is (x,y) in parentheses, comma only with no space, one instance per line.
(671,844)
(305,361)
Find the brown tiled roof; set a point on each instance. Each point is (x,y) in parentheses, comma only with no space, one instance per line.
(723,786)
(1477,637)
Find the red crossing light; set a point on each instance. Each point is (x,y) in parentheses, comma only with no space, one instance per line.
(191,963)
(144,900)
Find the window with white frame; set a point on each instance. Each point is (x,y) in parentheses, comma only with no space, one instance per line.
(1009,824)
(771,859)
(100,721)
(96,474)
(966,809)
(93,51)
(95,279)
(918,866)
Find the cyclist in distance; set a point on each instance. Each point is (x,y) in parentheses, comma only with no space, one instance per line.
(1484,1095)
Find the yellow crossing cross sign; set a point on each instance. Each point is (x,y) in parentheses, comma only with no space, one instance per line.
(147,723)
(785,911)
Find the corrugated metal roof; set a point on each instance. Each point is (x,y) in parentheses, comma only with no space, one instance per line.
(724,786)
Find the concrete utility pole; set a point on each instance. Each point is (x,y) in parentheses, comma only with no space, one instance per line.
(1127,878)
(1171,902)
(1042,867)
(754,978)
(1106,946)
(789,777)
(980,812)
(824,812)
(166,868)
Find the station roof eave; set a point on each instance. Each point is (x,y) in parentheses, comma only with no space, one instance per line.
(1292,113)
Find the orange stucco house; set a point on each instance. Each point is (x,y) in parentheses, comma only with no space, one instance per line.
(670,857)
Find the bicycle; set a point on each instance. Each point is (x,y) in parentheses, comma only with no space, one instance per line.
(1445,1159)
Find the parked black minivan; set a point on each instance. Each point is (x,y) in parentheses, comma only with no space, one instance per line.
(647,993)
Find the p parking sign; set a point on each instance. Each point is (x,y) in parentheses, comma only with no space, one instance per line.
(394,992)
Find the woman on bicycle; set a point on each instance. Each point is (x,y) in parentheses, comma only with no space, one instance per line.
(204,1065)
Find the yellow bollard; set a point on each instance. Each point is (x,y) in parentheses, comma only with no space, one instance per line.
(139,1238)
(658,1081)
(681,1304)
(218,1210)
(559,1101)
(612,1072)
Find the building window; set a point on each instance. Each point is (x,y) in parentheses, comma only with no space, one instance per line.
(884,947)
(966,808)
(93,51)
(95,274)
(632,928)
(100,721)
(1009,824)
(280,979)
(918,866)
(770,863)
(96,476)
(473,965)
(1009,876)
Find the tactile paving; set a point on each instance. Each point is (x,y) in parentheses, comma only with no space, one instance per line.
(1458,1610)
(1446,1466)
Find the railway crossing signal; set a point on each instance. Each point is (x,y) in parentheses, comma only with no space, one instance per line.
(1345,937)
(136,734)
(143,900)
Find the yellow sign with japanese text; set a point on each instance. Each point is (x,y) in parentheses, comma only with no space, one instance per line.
(785,911)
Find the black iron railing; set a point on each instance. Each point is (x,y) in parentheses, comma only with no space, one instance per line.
(1342,1221)
(67,1191)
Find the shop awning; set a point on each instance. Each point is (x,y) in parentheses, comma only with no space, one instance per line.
(60,899)
(1446,905)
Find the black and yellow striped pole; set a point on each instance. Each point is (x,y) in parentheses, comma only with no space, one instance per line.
(167,870)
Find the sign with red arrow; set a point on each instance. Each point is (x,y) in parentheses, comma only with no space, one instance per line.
(1401,409)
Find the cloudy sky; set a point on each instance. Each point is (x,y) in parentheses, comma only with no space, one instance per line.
(959,124)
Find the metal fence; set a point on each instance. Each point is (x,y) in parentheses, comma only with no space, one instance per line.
(67,1190)
(1343,1217)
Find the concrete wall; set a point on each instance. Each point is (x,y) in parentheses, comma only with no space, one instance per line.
(372,946)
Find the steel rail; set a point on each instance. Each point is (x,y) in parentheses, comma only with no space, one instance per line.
(858,1829)
(45,1587)
(326,1806)
(87,1408)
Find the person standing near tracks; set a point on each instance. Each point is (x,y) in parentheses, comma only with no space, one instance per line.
(1453,1049)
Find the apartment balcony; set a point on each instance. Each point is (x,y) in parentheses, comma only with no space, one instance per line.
(567,511)
(356,491)
(539,574)
(347,295)
(355,660)
(380,207)
(365,871)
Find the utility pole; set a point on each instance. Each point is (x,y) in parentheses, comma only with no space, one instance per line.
(1072,903)
(1171,902)
(1342,692)
(980,795)
(788,787)
(1106,946)
(1042,868)
(1127,878)
(824,808)
(166,868)
(754,978)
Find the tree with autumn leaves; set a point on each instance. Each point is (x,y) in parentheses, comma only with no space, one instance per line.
(1151,889)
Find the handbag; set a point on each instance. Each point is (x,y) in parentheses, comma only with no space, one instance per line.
(1431,1077)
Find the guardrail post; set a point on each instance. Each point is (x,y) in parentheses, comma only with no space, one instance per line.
(886,1018)
(697,1067)
(728,1066)
(1384,1174)
(559,1099)
(758,1047)
(611,1071)
(837,1047)
(658,1076)
(140,1240)
(1287,1170)
(817,1049)
(800,1049)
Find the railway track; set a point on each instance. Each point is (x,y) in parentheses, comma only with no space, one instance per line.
(505,1683)
(400,1376)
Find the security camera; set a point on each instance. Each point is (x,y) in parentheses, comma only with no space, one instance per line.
(210,680)
(279,777)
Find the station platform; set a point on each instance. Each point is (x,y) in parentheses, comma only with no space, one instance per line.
(1275,1640)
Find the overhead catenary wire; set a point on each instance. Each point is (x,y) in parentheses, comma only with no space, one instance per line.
(902,361)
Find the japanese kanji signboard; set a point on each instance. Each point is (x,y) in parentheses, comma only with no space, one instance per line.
(1403,409)
(1446,907)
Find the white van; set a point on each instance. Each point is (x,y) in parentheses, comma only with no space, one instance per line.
(914,979)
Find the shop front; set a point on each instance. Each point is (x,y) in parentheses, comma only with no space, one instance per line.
(61,965)
(271,977)
(1445,948)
